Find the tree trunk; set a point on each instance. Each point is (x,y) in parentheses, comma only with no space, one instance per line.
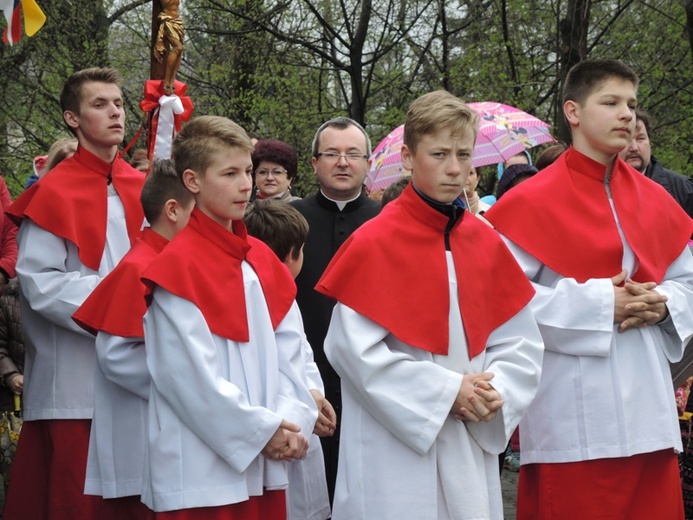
(573,29)
(357,107)
(689,23)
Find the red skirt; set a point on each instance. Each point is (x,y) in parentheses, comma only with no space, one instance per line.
(48,472)
(270,506)
(641,487)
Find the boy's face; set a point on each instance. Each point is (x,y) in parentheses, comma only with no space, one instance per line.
(441,164)
(223,191)
(602,126)
(100,123)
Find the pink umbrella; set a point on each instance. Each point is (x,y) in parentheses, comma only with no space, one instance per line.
(503,131)
(386,167)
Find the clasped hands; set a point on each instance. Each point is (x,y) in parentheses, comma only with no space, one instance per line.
(637,304)
(287,443)
(477,400)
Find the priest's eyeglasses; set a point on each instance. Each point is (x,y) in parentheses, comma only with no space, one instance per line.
(277,172)
(334,157)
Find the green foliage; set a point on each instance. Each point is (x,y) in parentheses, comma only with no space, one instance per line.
(281,68)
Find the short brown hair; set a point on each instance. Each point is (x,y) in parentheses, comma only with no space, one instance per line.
(394,190)
(71,95)
(340,123)
(435,111)
(202,138)
(549,156)
(585,77)
(279,225)
(140,160)
(162,184)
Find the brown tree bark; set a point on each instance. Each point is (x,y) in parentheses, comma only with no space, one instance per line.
(573,30)
(689,23)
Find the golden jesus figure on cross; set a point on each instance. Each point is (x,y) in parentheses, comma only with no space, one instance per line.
(169,42)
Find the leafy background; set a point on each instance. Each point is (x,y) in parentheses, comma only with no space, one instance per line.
(280,68)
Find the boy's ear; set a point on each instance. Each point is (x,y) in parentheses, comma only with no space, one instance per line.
(172,210)
(406,157)
(71,119)
(570,110)
(191,180)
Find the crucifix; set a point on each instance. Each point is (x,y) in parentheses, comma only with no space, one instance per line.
(167,42)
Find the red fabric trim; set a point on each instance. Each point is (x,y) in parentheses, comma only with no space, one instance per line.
(271,505)
(202,264)
(393,271)
(562,217)
(641,487)
(118,304)
(130,508)
(49,470)
(71,202)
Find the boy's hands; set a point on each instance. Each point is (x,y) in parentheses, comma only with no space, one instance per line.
(477,400)
(286,443)
(327,418)
(637,304)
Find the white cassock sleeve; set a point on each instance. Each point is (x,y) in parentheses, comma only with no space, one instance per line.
(409,394)
(188,364)
(295,403)
(677,286)
(513,355)
(124,362)
(588,328)
(53,288)
(312,372)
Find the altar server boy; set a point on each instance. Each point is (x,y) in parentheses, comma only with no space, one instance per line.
(284,230)
(228,405)
(76,225)
(606,249)
(438,352)
(114,312)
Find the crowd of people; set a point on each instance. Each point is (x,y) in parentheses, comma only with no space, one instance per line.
(197,341)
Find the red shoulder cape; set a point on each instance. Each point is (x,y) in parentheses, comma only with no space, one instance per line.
(562,217)
(71,202)
(393,270)
(117,305)
(202,264)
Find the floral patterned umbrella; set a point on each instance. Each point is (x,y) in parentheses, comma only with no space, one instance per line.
(503,131)
(386,167)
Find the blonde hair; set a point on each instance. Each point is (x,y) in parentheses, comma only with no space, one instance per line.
(59,150)
(203,137)
(435,111)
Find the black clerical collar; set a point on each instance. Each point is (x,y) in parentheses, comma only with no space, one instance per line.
(453,210)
